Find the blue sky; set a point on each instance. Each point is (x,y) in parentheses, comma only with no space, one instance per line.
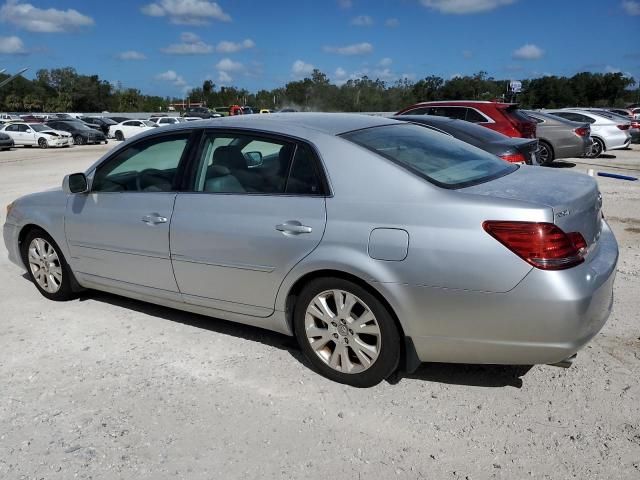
(164,47)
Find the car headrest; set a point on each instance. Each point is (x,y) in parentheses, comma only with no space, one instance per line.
(231,157)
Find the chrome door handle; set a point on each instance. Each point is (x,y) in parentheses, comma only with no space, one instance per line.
(154,219)
(293,227)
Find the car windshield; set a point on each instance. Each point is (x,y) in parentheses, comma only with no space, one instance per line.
(147,123)
(438,158)
(107,121)
(38,127)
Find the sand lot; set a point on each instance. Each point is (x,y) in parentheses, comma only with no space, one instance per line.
(105,387)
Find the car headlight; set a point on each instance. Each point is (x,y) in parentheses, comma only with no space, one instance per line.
(9,208)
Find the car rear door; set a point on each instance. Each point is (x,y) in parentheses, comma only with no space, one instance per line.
(118,233)
(257,209)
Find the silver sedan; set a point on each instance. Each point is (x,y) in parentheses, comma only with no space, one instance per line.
(378,244)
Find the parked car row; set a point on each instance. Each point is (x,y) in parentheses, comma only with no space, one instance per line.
(54,133)
(561,133)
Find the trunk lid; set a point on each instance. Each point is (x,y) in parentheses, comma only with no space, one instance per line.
(574,197)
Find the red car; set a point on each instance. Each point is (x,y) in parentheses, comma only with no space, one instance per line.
(501,117)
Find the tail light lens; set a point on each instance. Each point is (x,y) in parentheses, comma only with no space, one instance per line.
(635,124)
(514,157)
(582,131)
(543,245)
(623,127)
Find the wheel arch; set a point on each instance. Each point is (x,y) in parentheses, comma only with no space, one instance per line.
(408,356)
(29,227)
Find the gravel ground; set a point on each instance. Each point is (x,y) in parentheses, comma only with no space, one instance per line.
(105,387)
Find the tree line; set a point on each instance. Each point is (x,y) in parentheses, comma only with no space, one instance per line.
(65,90)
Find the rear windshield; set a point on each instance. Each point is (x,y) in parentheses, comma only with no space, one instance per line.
(438,158)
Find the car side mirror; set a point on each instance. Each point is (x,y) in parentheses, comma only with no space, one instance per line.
(75,183)
(254,159)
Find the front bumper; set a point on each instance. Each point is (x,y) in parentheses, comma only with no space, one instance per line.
(546,318)
(10,235)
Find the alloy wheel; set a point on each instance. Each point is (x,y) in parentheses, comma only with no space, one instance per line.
(343,331)
(45,265)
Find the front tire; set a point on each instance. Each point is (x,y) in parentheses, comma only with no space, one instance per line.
(119,136)
(79,140)
(346,333)
(42,143)
(46,266)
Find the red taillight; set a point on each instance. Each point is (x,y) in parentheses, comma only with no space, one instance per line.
(624,127)
(635,124)
(582,131)
(513,157)
(543,245)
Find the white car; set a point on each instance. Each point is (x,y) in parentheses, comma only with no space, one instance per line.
(36,134)
(130,128)
(607,133)
(162,121)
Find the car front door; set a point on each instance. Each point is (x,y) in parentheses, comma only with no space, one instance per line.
(118,233)
(257,209)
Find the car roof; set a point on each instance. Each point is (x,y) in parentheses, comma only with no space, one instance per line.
(328,123)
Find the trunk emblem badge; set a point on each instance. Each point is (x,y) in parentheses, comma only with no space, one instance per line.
(563,213)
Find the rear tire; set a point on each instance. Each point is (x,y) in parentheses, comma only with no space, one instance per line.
(46,266)
(346,333)
(597,148)
(546,154)
(119,136)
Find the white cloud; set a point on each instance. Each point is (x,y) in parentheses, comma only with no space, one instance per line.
(610,69)
(131,55)
(392,22)
(191,45)
(362,21)
(172,77)
(51,20)
(11,46)
(385,62)
(231,47)
(340,73)
(528,52)
(299,69)
(463,7)
(224,78)
(455,75)
(228,65)
(345,4)
(631,7)
(186,12)
(355,49)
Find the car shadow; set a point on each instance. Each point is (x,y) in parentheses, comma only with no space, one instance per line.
(606,155)
(561,164)
(493,376)
(490,376)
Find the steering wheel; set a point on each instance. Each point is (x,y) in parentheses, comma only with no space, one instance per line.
(149,177)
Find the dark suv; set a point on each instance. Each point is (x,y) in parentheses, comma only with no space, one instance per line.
(201,112)
(501,117)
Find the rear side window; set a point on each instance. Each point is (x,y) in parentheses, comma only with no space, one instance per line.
(474,117)
(438,158)
(459,113)
(418,111)
(303,178)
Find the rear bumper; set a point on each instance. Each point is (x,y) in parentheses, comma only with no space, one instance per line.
(546,318)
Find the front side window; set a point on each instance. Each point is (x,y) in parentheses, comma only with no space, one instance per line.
(147,166)
(438,158)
